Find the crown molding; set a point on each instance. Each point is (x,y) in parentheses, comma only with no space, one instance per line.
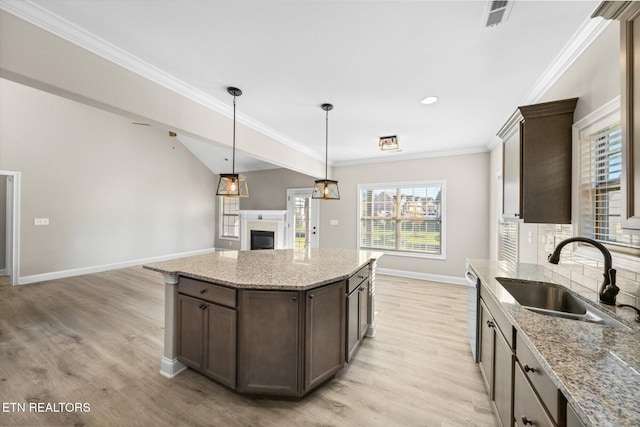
(590,29)
(581,40)
(54,24)
(415,156)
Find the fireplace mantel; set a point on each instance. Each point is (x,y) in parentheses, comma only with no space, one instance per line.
(265,220)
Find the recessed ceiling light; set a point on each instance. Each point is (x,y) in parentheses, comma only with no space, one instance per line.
(429,100)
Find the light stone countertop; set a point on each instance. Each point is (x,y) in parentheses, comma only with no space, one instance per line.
(288,269)
(596,367)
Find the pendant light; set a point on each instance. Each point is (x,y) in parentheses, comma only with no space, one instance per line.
(326,189)
(232,184)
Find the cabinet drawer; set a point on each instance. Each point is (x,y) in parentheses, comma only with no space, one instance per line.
(500,319)
(527,409)
(539,378)
(207,291)
(355,280)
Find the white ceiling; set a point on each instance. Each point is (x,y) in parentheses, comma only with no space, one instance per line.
(374,60)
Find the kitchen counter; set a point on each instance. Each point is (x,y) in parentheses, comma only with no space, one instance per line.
(284,269)
(596,367)
(236,279)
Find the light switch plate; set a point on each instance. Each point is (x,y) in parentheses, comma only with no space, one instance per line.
(41,221)
(334,222)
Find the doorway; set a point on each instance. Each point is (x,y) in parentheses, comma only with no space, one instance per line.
(9,267)
(303,217)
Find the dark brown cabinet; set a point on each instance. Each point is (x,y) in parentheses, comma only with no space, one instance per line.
(537,163)
(324,334)
(269,342)
(496,364)
(207,338)
(528,410)
(357,311)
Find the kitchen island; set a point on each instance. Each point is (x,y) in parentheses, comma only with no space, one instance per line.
(271,322)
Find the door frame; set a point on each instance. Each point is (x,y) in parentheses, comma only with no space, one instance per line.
(12,249)
(315,216)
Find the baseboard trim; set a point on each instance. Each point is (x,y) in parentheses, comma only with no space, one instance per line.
(35,278)
(170,367)
(423,276)
(4,272)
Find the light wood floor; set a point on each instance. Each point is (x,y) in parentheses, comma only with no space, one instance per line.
(97,339)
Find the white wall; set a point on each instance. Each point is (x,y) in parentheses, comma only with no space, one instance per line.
(113,192)
(467,208)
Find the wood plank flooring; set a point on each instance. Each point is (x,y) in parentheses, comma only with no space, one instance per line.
(97,339)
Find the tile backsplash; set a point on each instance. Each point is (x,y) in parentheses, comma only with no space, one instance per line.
(582,274)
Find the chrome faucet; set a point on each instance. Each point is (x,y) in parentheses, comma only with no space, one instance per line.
(609,290)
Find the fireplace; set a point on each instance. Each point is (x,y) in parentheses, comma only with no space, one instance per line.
(262,239)
(272,221)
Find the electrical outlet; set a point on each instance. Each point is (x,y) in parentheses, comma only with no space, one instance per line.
(551,243)
(41,221)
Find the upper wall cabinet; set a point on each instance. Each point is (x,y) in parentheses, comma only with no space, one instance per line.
(536,172)
(628,13)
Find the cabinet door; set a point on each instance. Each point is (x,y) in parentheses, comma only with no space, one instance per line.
(503,378)
(529,411)
(220,344)
(630,121)
(269,342)
(572,418)
(363,308)
(190,331)
(324,333)
(486,347)
(511,207)
(353,312)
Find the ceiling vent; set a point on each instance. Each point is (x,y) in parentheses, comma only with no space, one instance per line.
(496,13)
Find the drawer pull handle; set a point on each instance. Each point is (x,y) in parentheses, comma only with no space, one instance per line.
(203,291)
(528,368)
(526,420)
(310,296)
(361,277)
(294,298)
(490,323)
(202,306)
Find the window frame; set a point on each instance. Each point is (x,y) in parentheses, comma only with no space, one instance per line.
(386,185)
(222,215)
(599,119)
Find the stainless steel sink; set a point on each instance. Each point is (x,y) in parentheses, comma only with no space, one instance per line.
(554,300)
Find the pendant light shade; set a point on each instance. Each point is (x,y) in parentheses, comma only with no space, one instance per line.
(326,189)
(232,184)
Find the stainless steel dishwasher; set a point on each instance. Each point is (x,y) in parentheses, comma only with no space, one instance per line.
(473,311)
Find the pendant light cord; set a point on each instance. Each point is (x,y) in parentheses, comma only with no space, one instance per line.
(326,150)
(233,162)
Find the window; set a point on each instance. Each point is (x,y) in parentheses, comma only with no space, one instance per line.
(229,217)
(402,218)
(601,167)
(508,241)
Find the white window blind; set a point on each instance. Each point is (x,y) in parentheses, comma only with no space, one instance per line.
(508,241)
(402,217)
(230,217)
(600,170)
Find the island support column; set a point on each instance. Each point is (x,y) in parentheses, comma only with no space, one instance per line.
(371,316)
(169,365)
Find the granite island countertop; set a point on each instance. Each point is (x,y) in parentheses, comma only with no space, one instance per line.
(288,269)
(596,367)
